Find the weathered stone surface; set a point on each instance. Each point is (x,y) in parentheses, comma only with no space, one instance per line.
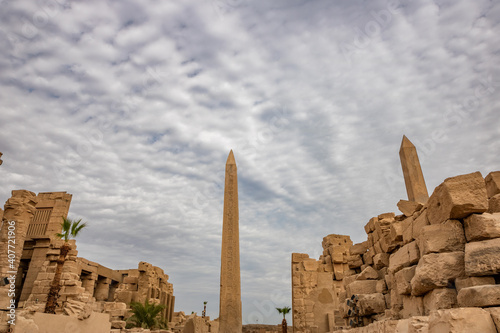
(396,232)
(480,296)
(412,306)
(457,197)
(381,260)
(418,223)
(381,286)
(461,320)
(403,278)
(354,261)
(445,237)
(96,323)
(441,298)
(495,315)
(482,258)
(370,226)
(360,287)
(473,281)
(359,248)
(368,274)
(369,304)
(492,181)
(437,270)
(409,207)
(230,315)
(482,226)
(412,172)
(408,230)
(494,204)
(404,257)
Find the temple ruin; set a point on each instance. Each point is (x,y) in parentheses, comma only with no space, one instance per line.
(87,286)
(433,269)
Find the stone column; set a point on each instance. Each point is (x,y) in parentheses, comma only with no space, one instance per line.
(19,208)
(414,178)
(230,317)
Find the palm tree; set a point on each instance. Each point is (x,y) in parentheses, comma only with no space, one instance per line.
(145,315)
(284,311)
(70,229)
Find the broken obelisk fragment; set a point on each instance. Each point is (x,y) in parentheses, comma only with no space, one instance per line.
(414,178)
(230,286)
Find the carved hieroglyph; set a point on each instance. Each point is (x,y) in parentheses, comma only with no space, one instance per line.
(414,178)
(230,285)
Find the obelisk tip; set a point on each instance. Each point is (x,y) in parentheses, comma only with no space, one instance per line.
(230,158)
(405,143)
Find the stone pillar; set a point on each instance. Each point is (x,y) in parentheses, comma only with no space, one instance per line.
(38,258)
(414,178)
(230,317)
(19,208)
(101,291)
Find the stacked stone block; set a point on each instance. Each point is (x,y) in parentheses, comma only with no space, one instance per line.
(317,286)
(436,266)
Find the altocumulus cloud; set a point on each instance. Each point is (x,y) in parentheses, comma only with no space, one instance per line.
(133,107)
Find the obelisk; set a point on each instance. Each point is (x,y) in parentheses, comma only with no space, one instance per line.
(414,178)
(230,285)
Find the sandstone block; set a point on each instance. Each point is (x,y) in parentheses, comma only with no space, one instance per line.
(408,230)
(404,257)
(118,324)
(361,287)
(457,197)
(418,223)
(396,301)
(403,278)
(408,207)
(370,226)
(436,270)
(441,298)
(473,281)
(461,320)
(368,257)
(381,287)
(445,237)
(492,181)
(381,260)
(368,274)
(482,226)
(369,304)
(396,232)
(494,204)
(359,248)
(354,261)
(479,296)
(482,258)
(495,315)
(310,265)
(387,216)
(387,244)
(412,306)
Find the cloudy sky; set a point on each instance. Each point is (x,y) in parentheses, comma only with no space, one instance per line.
(133,107)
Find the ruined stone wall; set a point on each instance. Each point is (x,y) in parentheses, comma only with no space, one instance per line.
(317,285)
(434,268)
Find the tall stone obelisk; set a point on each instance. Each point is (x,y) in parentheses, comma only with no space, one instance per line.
(414,178)
(230,285)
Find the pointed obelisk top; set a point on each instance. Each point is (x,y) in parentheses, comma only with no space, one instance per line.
(230,158)
(412,172)
(405,143)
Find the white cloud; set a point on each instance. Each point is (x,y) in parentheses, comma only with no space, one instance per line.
(133,107)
